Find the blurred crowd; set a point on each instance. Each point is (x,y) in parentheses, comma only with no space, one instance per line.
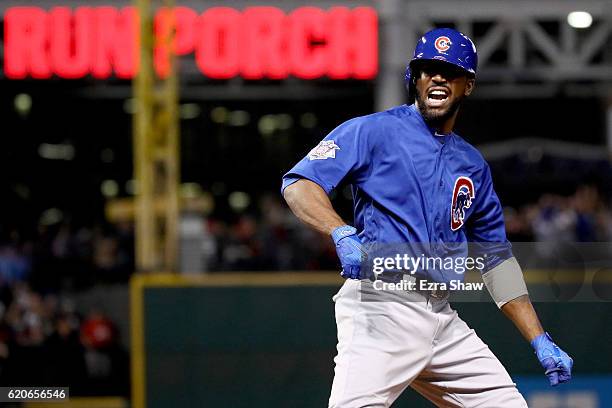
(45,341)
(63,257)
(273,239)
(265,238)
(277,241)
(584,216)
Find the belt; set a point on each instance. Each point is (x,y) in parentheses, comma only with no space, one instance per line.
(435,293)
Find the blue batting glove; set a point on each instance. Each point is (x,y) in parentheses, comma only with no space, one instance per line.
(350,251)
(556,362)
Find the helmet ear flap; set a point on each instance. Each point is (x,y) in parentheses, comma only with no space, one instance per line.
(411,88)
(415,71)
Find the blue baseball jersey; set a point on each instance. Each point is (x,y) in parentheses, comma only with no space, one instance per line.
(409,184)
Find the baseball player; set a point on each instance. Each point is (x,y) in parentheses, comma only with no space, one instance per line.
(415,181)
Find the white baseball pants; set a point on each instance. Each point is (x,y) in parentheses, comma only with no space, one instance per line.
(386,346)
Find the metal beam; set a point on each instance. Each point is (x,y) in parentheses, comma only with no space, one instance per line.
(482,10)
(521,32)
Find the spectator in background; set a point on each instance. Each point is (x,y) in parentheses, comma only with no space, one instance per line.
(518,226)
(581,217)
(586,202)
(604,225)
(14,264)
(106,362)
(556,220)
(66,362)
(26,360)
(112,253)
(5,338)
(42,342)
(242,249)
(274,241)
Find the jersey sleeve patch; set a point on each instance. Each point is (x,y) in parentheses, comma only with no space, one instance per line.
(324,150)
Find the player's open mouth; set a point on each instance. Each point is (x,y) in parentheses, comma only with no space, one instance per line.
(437,96)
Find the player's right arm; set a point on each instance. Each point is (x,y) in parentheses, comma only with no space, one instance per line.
(343,154)
(310,204)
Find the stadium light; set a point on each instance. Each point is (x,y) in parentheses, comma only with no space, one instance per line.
(62,151)
(23,104)
(267,125)
(239,201)
(579,19)
(189,111)
(239,118)
(219,114)
(109,188)
(284,121)
(51,216)
(308,120)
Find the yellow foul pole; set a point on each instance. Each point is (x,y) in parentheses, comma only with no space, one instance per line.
(156,149)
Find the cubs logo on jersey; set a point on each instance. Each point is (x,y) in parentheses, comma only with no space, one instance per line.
(463,195)
(442,43)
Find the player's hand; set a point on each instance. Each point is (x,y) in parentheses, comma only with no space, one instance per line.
(350,251)
(556,362)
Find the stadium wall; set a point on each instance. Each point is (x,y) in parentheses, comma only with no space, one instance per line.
(251,340)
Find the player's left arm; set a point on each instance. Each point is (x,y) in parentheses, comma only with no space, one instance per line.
(557,364)
(504,280)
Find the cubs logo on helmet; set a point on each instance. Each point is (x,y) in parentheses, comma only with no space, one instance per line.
(446,44)
(442,43)
(463,195)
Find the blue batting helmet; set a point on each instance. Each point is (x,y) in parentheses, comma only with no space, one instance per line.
(448,45)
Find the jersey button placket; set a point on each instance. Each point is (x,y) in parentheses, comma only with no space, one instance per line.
(439,228)
(443,207)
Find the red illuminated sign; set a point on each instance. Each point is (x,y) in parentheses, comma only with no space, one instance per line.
(255,43)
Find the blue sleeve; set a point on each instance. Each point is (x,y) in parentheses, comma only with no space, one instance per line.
(342,154)
(486,229)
